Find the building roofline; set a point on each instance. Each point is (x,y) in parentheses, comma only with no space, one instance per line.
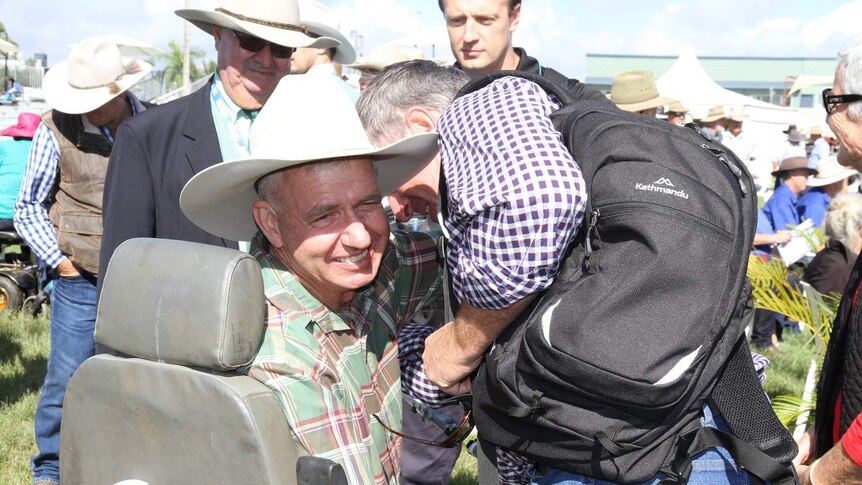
(758,58)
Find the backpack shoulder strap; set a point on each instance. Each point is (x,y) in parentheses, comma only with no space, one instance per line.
(545,83)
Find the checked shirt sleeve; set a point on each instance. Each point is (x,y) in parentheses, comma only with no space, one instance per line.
(516,196)
(31,209)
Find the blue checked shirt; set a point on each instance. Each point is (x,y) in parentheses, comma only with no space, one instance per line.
(516,196)
(37,194)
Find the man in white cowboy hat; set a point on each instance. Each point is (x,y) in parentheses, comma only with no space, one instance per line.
(734,138)
(158,153)
(339,288)
(59,211)
(676,113)
(713,123)
(782,209)
(820,149)
(322,61)
(381,57)
(637,92)
(480,35)
(831,179)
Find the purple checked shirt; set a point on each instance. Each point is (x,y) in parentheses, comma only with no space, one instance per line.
(516,196)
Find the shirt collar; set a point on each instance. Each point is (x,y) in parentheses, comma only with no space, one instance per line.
(231,107)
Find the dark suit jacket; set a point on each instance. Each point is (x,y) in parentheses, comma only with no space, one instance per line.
(155,154)
(829,271)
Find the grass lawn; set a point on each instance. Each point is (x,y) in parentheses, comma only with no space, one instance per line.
(24,343)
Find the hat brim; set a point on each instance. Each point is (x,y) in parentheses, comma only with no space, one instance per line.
(822,182)
(18,132)
(219,199)
(206,19)
(811,171)
(367,64)
(61,96)
(710,119)
(642,105)
(344,53)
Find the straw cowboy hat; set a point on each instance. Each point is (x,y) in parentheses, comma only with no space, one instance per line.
(26,127)
(793,163)
(715,113)
(676,107)
(737,114)
(830,171)
(383,56)
(636,91)
(94,74)
(815,130)
(322,124)
(321,22)
(277,21)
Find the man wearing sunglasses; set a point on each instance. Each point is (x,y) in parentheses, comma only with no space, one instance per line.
(832,448)
(155,157)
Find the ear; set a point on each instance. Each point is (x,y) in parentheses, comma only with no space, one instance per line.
(515,18)
(420,120)
(217,31)
(267,221)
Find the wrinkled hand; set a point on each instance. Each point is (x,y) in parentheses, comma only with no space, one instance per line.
(446,364)
(66,269)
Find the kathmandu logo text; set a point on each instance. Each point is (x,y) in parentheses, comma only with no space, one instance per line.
(662,185)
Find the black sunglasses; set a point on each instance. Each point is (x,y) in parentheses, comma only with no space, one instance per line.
(454,435)
(256,44)
(831,102)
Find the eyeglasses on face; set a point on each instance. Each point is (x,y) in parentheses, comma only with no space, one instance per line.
(831,101)
(256,44)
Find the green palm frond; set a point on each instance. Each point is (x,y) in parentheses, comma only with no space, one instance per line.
(789,408)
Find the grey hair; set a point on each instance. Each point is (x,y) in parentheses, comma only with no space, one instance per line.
(401,86)
(843,219)
(850,70)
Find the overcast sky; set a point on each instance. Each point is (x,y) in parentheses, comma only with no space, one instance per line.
(558,32)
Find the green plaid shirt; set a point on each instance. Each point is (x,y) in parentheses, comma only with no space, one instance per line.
(332,371)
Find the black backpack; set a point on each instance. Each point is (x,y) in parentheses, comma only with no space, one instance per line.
(607,372)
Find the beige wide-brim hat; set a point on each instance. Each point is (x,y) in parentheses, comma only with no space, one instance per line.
(677,107)
(737,114)
(321,22)
(715,113)
(793,163)
(383,56)
(94,74)
(830,171)
(305,120)
(277,21)
(636,91)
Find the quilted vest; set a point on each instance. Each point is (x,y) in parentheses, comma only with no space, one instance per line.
(77,209)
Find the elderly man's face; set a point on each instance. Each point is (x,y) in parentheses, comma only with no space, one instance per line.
(419,194)
(327,227)
(249,78)
(847,130)
(480,33)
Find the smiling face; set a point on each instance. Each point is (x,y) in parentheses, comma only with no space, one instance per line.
(249,78)
(327,226)
(480,33)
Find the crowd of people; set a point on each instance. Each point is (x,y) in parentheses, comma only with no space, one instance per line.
(278,156)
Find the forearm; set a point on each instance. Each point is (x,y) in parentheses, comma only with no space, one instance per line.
(475,329)
(835,466)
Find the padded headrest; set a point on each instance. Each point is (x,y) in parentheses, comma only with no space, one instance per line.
(182,303)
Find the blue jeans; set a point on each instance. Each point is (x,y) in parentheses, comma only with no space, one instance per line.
(713,466)
(73,319)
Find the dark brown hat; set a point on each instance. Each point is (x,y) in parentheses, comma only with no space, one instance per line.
(793,163)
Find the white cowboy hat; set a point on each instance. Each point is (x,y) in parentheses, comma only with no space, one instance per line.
(305,120)
(830,171)
(276,21)
(715,113)
(737,114)
(636,91)
(321,22)
(94,74)
(384,55)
